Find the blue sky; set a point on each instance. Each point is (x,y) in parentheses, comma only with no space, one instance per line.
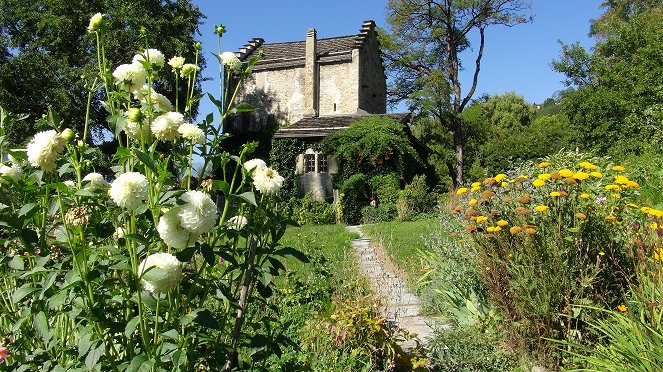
(515,58)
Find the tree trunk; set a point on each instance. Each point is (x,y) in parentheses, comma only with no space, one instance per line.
(458,145)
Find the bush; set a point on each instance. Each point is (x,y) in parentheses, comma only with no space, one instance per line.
(306,210)
(354,197)
(415,199)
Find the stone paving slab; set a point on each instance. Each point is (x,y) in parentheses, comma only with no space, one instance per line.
(401,307)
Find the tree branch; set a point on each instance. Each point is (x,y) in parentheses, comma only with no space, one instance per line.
(477,68)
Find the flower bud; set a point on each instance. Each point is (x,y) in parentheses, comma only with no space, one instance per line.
(134,114)
(198,46)
(96,22)
(219,30)
(67,134)
(80,144)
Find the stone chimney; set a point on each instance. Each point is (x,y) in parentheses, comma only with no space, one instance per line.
(311,79)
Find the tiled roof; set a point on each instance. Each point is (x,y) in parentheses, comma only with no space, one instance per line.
(321,126)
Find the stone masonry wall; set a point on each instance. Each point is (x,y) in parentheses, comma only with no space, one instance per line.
(372,84)
(338,86)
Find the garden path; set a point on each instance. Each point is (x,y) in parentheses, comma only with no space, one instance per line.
(401,306)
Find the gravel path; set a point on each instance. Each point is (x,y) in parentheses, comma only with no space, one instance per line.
(401,306)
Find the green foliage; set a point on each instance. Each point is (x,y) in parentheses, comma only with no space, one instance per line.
(373,146)
(354,197)
(306,210)
(283,155)
(47,44)
(415,199)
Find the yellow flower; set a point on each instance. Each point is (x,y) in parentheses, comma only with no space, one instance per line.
(500,177)
(502,223)
(645,209)
(618,168)
(515,229)
(476,184)
(581,176)
(621,180)
(481,219)
(472,202)
(566,173)
(655,212)
(616,196)
(584,195)
(494,229)
(613,187)
(654,225)
(476,188)
(555,194)
(622,308)
(601,253)
(530,231)
(538,183)
(658,254)
(631,205)
(581,216)
(503,184)
(632,184)
(596,174)
(461,191)
(545,164)
(589,166)
(611,217)
(544,176)
(541,208)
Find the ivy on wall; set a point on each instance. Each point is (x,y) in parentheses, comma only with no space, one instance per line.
(283,157)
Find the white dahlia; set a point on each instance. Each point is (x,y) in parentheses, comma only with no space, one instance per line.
(130,77)
(171,231)
(129,190)
(160,272)
(119,233)
(188,69)
(155,56)
(161,102)
(176,62)
(44,149)
(267,181)
(133,130)
(13,172)
(95,181)
(198,215)
(165,126)
(231,61)
(237,222)
(257,164)
(192,133)
(96,21)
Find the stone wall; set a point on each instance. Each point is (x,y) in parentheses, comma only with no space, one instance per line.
(372,81)
(338,87)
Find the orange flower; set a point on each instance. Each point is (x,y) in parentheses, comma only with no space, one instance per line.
(545,164)
(487,194)
(515,229)
(502,223)
(489,181)
(530,231)
(506,199)
(525,199)
(581,216)
(622,308)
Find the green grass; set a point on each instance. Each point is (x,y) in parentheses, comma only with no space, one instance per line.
(401,241)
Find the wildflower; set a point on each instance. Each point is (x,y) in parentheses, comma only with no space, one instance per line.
(621,180)
(589,166)
(159,102)
(76,216)
(530,231)
(267,181)
(541,208)
(96,22)
(555,194)
(136,130)
(44,149)
(596,174)
(525,199)
(645,209)
(545,164)
(538,183)
(95,181)
(523,211)
(130,77)
(515,229)
(543,176)
(506,199)
(622,308)
(476,188)
(600,199)
(192,133)
(500,177)
(566,173)
(601,253)
(489,181)
(521,178)
(502,223)
(494,229)
(487,194)
(610,217)
(632,184)
(658,254)
(154,56)
(481,219)
(166,125)
(631,205)
(231,61)
(257,164)
(584,195)
(172,233)
(472,202)
(461,191)
(613,187)
(176,62)
(4,353)
(476,184)
(160,272)
(555,176)
(237,222)
(570,181)
(618,168)
(616,196)
(654,225)
(129,190)
(580,176)
(655,212)
(198,215)
(188,69)
(581,216)
(13,172)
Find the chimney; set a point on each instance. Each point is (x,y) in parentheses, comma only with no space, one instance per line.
(311,79)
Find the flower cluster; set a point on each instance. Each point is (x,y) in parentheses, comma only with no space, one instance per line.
(44,148)
(160,272)
(181,226)
(129,190)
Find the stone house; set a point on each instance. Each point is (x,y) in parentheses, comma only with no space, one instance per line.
(313,87)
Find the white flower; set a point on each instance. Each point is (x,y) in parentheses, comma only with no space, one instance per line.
(96,21)
(188,69)
(267,181)
(160,272)
(231,61)
(171,231)
(165,126)
(158,100)
(192,133)
(155,56)
(14,172)
(70,184)
(237,222)
(119,233)
(129,190)
(130,77)
(133,129)
(198,215)
(44,149)
(96,181)
(176,62)
(257,164)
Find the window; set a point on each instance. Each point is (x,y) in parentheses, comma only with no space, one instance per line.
(322,163)
(309,163)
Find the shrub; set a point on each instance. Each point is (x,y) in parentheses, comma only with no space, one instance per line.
(306,210)
(354,197)
(415,199)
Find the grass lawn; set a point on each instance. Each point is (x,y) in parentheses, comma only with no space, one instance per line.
(401,241)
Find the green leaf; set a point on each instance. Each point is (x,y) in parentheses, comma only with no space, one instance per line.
(131,326)
(17,263)
(29,236)
(28,210)
(171,334)
(147,160)
(41,326)
(104,229)
(186,254)
(258,341)
(93,356)
(242,107)
(83,192)
(208,254)
(136,362)
(249,197)
(289,251)
(84,344)
(201,316)
(221,185)
(155,274)
(22,292)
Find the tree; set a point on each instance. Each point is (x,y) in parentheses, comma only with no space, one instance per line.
(45,58)
(617,104)
(422,53)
